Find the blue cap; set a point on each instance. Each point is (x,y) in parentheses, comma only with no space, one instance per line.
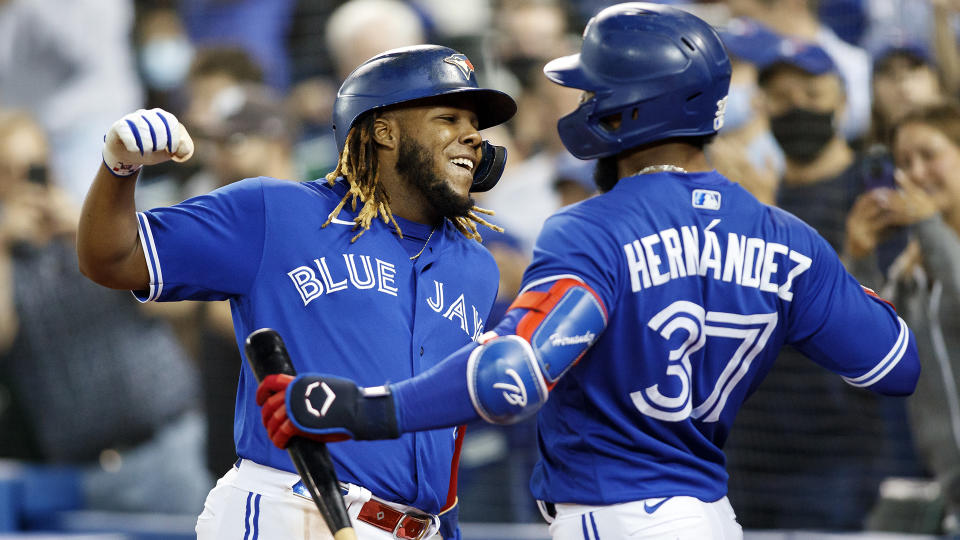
(803,55)
(918,52)
(571,169)
(750,41)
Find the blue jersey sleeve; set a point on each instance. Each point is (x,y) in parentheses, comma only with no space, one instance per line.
(846,328)
(205,248)
(571,244)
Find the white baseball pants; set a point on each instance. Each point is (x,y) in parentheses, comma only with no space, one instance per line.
(255,502)
(673,518)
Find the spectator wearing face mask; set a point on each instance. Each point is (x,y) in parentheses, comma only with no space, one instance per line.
(789,432)
(804,98)
(164,55)
(800,20)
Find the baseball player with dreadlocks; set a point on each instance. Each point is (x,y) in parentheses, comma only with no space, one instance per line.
(648,314)
(363,274)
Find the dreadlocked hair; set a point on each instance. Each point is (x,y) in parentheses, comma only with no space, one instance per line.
(359,167)
(468,224)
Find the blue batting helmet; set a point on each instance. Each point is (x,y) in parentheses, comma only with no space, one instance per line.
(410,73)
(662,70)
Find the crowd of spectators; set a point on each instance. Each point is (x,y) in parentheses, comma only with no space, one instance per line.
(840,111)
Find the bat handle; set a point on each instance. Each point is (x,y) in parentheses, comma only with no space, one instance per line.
(320,482)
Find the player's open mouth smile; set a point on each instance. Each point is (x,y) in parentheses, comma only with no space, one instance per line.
(465,163)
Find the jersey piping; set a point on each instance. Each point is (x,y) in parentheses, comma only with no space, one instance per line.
(153,262)
(888,363)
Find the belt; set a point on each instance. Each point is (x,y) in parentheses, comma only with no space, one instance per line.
(403,525)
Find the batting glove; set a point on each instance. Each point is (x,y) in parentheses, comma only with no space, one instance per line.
(324,408)
(145,138)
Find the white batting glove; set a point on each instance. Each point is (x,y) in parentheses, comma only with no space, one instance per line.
(145,138)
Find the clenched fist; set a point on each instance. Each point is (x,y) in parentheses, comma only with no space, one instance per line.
(325,408)
(145,138)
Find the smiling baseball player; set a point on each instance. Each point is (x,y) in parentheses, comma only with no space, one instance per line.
(363,275)
(651,311)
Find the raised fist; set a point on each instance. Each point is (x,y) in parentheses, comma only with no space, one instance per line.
(145,138)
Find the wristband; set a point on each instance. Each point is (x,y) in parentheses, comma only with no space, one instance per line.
(118,167)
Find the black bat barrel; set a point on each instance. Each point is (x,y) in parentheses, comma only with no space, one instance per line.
(267,354)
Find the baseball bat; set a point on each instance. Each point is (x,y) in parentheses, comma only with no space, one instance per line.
(267,355)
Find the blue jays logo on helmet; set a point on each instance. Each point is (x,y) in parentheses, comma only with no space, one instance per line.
(650,71)
(410,73)
(462,62)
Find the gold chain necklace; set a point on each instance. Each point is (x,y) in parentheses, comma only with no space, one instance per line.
(424,244)
(660,168)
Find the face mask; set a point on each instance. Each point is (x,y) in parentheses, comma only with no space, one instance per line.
(738,110)
(802,133)
(165,62)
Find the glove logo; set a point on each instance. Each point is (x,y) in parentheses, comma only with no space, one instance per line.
(462,62)
(327,402)
(515,394)
(129,168)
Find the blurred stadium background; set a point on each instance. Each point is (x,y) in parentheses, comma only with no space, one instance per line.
(254,80)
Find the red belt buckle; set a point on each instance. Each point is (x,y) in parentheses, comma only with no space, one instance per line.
(412,531)
(401,525)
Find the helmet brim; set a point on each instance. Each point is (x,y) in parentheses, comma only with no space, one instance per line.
(493,106)
(568,71)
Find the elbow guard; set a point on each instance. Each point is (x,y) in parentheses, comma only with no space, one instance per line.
(509,377)
(505,381)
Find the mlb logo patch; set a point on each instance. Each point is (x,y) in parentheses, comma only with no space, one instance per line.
(706,199)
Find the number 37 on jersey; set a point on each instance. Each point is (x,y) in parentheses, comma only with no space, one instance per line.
(694,327)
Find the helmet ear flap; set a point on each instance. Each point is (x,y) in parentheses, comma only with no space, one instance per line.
(492,161)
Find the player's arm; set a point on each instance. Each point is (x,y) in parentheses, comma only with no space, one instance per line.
(108,243)
(502,380)
(850,330)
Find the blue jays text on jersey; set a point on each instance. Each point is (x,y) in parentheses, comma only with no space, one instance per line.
(382,280)
(703,285)
(362,310)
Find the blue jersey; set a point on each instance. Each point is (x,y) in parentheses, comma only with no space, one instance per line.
(703,284)
(361,310)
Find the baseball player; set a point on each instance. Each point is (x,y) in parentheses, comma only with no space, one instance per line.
(363,274)
(650,311)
